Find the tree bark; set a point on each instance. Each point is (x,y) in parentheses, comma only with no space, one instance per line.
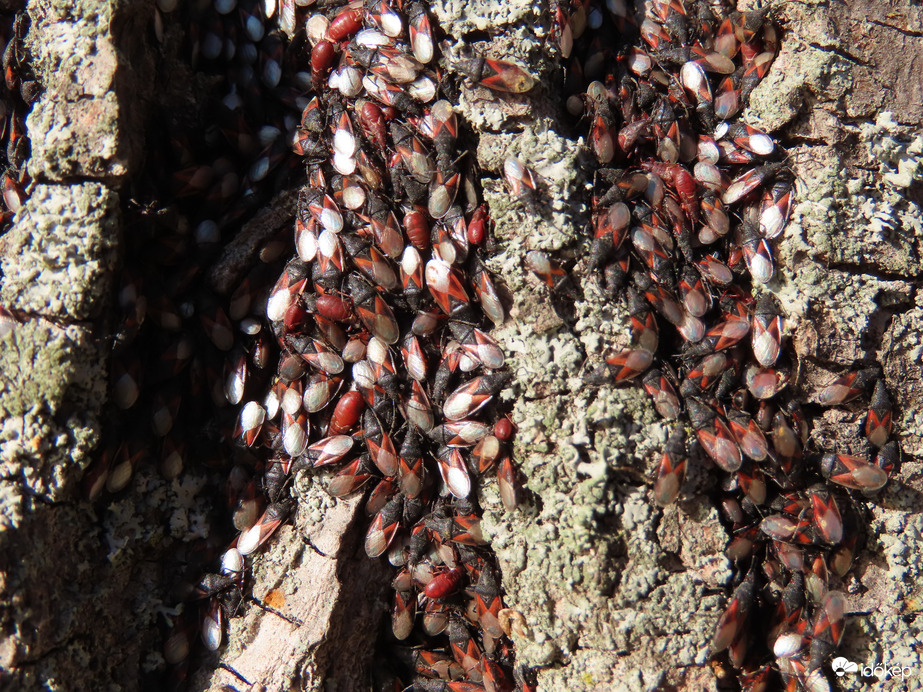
(615,593)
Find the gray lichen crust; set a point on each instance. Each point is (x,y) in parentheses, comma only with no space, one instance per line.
(51,379)
(616,593)
(87,123)
(586,547)
(60,254)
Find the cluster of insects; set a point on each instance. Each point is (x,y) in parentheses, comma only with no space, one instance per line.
(686,202)
(363,359)
(18,90)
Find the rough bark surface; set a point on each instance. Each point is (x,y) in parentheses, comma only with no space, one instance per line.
(616,594)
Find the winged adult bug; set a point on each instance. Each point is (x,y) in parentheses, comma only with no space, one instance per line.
(747,137)
(715,270)
(125,379)
(766,331)
(411,470)
(508,484)
(350,478)
(412,153)
(251,421)
(664,395)
(733,620)
(367,259)
(765,383)
(754,73)
(654,34)
(466,530)
(853,472)
(829,626)
(442,191)
(826,514)
(412,277)
(694,293)
(448,366)
(454,471)
(720,337)
(753,483)
(846,387)
(495,678)
(610,227)
(464,649)
(13,193)
(316,354)
(459,434)
(784,440)
(775,207)
(520,178)
(391,95)
(288,289)
(378,442)
(384,527)
(671,471)
(727,97)
(496,75)
(420,31)
(477,345)
(474,395)
(381,494)
(660,299)
(842,555)
(714,435)
(798,421)
(757,253)
(373,310)
(418,409)
(327,272)
(213,625)
(324,210)
(749,181)
(644,333)
(403,612)
(486,292)
(651,251)
(446,287)
(450,237)
(748,435)
(486,452)
(434,664)
(392,64)
(624,365)
(294,433)
(259,533)
(328,450)
(888,457)
(414,358)
(381,360)
(781,528)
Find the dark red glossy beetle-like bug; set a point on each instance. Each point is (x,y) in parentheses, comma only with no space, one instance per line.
(445,584)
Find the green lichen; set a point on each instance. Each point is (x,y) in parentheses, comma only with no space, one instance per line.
(52,381)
